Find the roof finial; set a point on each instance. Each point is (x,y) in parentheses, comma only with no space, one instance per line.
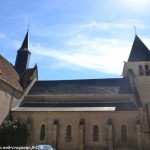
(28,27)
(135,29)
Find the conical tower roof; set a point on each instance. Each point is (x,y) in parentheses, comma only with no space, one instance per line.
(25,43)
(139,51)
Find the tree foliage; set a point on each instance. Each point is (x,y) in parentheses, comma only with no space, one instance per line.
(13,133)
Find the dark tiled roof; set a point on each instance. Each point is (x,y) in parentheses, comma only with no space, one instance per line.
(28,76)
(119,105)
(89,86)
(25,43)
(9,74)
(139,51)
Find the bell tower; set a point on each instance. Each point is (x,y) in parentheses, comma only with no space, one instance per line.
(23,56)
(137,69)
(139,59)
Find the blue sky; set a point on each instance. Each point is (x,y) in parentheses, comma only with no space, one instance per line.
(74,39)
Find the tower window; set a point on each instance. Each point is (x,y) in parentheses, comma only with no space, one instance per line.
(141,72)
(68,133)
(147,72)
(95,133)
(124,133)
(42,132)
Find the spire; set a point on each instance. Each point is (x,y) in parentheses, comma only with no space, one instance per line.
(25,43)
(139,51)
(23,56)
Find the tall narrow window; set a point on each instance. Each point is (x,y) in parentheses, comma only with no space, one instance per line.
(82,131)
(141,72)
(147,72)
(68,133)
(42,132)
(95,133)
(124,133)
(55,133)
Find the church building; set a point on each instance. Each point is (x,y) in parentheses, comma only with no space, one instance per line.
(86,114)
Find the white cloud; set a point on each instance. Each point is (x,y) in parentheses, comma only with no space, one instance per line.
(140,5)
(105,25)
(83,47)
(102,55)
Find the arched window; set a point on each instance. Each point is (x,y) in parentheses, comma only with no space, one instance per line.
(141,72)
(68,133)
(147,72)
(124,133)
(82,130)
(95,133)
(42,132)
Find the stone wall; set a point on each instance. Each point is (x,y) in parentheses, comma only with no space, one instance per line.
(9,98)
(128,118)
(135,67)
(143,86)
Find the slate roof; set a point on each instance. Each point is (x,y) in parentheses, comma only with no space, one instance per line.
(27,76)
(139,51)
(9,74)
(25,43)
(87,86)
(119,105)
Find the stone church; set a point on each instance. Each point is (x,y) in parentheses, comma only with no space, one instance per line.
(87,114)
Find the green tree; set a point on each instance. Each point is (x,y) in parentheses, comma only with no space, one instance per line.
(13,133)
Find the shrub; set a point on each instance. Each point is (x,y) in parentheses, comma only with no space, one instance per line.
(13,133)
